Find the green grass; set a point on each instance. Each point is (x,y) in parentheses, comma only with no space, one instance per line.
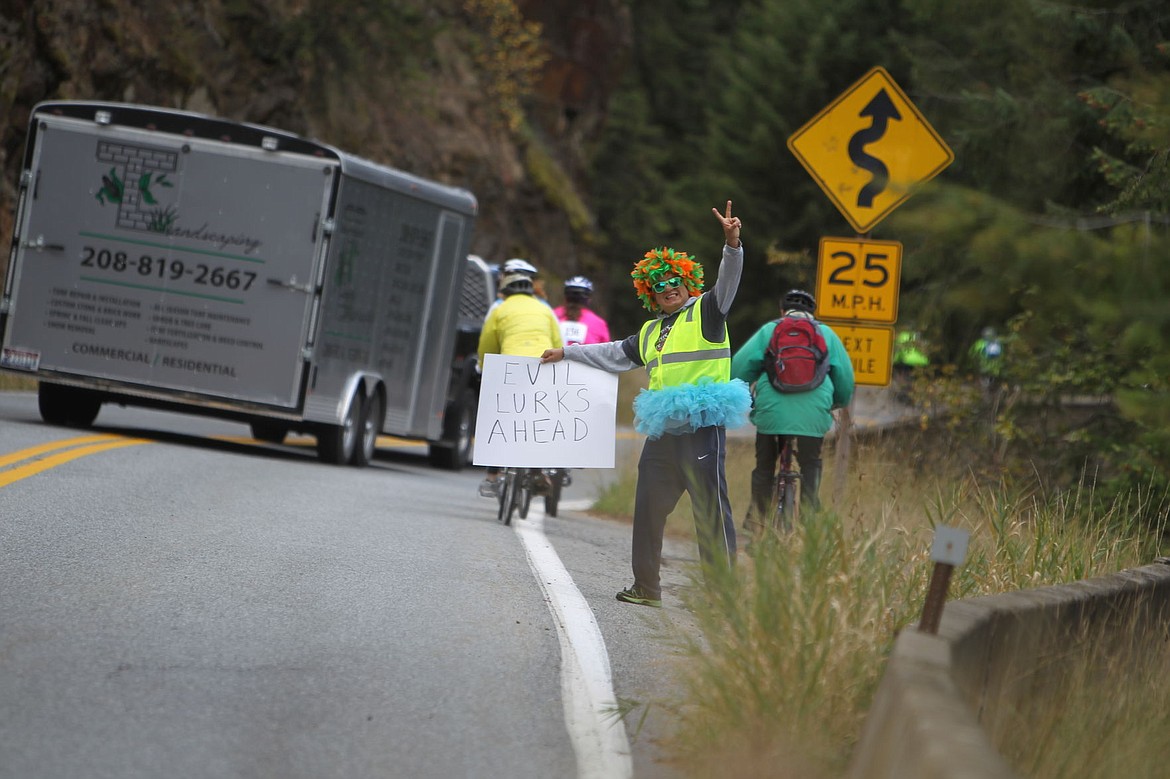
(791,650)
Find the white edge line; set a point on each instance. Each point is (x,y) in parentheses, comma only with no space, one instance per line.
(592,716)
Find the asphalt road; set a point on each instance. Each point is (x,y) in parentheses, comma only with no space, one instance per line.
(177,599)
(197,604)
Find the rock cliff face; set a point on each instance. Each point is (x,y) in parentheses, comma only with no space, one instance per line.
(405,85)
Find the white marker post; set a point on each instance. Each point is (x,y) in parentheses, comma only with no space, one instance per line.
(948,550)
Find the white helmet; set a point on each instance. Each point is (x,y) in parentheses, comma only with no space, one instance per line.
(517,265)
(513,283)
(579,282)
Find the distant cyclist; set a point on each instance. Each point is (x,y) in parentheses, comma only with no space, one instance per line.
(579,324)
(805,415)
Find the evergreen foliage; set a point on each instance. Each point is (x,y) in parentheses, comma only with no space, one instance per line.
(1051,224)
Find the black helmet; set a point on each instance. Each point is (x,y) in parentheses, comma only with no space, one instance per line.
(800,300)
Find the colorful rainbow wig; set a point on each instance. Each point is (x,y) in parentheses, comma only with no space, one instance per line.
(660,262)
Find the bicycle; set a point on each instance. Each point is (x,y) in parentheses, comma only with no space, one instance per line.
(512,495)
(518,485)
(785,507)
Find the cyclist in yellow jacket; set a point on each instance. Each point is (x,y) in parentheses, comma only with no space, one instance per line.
(690,401)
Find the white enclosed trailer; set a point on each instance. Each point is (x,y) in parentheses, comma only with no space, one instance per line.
(174,260)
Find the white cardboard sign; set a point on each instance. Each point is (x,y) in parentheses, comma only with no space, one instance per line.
(555,415)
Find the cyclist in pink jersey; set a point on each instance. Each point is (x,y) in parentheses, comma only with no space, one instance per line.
(579,324)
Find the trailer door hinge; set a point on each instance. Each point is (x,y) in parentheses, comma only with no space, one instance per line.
(291,284)
(40,244)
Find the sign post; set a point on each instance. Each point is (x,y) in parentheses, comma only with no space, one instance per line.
(866,150)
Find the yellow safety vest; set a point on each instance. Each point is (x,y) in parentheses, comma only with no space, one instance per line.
(686,356)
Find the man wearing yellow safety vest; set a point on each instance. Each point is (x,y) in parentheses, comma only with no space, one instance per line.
(684,413)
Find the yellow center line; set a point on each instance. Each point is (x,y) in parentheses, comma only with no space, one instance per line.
(44,464)
(33,451)
(87,445)
(383,440)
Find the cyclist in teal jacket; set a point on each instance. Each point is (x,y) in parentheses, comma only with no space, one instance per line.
(806,415)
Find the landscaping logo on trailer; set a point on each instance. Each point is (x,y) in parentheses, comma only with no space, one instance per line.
(135,183)
(147,168)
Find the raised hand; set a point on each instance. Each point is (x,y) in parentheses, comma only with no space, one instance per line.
(731,225)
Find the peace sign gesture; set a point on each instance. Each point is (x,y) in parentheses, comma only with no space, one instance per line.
(731,225)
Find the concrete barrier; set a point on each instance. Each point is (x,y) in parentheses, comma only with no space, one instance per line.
(945,698)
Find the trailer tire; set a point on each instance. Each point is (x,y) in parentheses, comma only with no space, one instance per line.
(67,406)
(371,427)
(269,432)
(336,443)
(454,451)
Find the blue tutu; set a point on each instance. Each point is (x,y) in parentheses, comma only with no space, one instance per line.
(687,407)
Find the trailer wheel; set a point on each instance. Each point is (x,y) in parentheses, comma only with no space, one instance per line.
(454,451)
(371,427)
(336,443)
(68,406)
(269,432)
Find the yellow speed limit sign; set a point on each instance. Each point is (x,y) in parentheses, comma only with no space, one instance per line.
(871,350)
(858,280)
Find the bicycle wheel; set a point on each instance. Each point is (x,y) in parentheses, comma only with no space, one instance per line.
(505,512)
(780,515)
(514,487)
(792,501)
(553,498)
(523,494)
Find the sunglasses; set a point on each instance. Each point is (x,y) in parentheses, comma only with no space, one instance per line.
(665,284)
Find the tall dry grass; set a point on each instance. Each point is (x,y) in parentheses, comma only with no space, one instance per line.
(793,646)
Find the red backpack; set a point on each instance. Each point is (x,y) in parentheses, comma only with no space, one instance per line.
(797,357)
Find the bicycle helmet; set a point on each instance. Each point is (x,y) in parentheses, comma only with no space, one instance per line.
(579,284)
(513,283)
(517,265)
(800,300)
(578,291)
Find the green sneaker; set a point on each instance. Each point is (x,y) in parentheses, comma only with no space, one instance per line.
(635,595)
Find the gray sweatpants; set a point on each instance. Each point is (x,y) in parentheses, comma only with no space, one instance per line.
(670,465)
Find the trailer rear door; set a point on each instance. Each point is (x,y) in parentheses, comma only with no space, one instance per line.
(169,262)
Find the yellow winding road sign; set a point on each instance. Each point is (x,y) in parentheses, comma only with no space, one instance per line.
(869,148)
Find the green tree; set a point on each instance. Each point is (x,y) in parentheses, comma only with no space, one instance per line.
(1055,115)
